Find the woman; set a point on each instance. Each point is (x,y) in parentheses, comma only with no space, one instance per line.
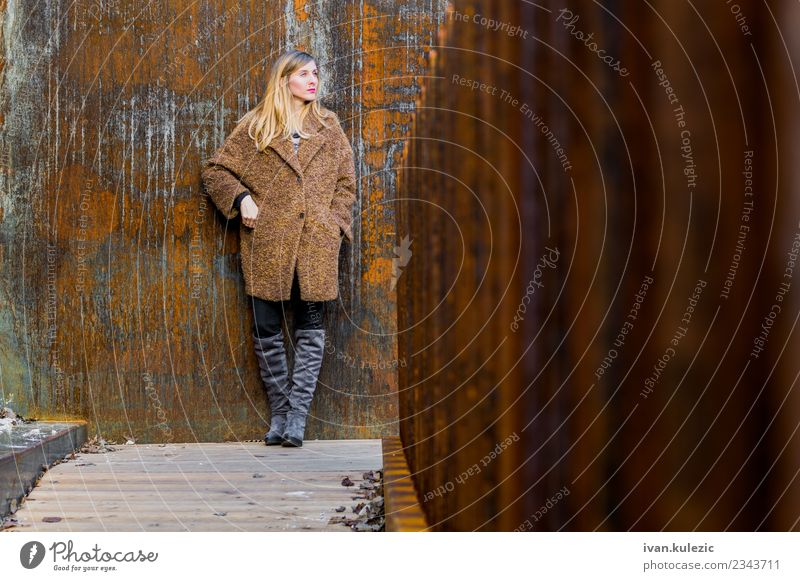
(287,169)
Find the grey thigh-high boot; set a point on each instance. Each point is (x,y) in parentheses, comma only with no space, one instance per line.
(271,354)
(308,350)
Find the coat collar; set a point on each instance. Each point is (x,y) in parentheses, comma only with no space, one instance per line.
(308,147)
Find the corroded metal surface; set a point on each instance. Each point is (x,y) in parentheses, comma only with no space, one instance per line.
(596,313)
(27,450)
(403,513)
(122,297)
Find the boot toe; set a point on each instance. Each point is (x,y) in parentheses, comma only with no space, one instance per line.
(292,442)
(273,440)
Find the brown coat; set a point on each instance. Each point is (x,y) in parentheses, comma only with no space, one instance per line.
(305,203)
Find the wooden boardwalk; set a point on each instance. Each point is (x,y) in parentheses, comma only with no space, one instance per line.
(241,486)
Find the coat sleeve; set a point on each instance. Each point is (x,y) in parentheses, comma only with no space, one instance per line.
(344,195)
(221,175)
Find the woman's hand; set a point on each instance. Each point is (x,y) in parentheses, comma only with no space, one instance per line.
(249,212)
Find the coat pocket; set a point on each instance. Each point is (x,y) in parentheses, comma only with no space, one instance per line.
(332,227)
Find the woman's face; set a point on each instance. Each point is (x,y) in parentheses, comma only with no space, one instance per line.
(303,82)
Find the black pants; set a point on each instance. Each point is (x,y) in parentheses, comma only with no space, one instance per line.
(268,315)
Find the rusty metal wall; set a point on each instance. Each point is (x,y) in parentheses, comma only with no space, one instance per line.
(122,297)
(599,306)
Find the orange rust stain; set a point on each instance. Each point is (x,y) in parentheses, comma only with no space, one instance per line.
(83,206)
(375,130)
(379,272)
(301,10)
(374,35)
(158,54)
(185,213)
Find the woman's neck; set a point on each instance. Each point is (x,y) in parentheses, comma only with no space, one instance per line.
(297,105)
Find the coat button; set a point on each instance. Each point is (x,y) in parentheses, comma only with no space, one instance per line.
(302,214)
(298,179)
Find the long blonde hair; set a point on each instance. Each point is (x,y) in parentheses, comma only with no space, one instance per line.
(274,116)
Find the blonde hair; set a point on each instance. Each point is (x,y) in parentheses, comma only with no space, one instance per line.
(274,116)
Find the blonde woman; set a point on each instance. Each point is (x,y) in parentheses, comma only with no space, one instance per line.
(287,170)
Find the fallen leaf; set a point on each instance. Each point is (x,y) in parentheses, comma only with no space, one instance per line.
(8,522)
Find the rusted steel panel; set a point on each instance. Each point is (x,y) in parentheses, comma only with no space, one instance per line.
(583,324)
(403,513)
(123,298)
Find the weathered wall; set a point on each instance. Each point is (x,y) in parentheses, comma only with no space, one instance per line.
(122,297)
(562,373)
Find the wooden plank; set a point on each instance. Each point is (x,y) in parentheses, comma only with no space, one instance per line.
(330,485)
(288,495)
(119,495)
(243,510)
(183,488)
(182,526)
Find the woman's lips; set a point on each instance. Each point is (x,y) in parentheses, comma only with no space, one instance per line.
(311,91)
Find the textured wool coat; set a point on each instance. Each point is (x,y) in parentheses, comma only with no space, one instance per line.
(305,202)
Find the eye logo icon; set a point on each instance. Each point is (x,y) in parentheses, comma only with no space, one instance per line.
(31,554)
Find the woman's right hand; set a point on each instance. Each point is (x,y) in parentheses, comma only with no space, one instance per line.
(249,212)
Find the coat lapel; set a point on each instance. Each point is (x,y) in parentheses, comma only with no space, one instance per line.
(308,147)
